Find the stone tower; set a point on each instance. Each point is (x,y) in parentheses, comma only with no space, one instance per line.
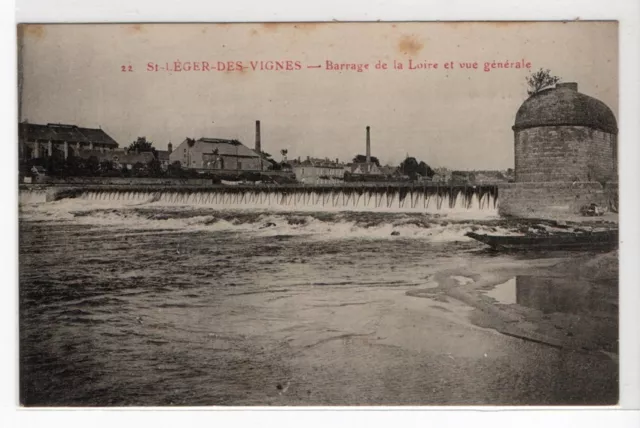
(562,135)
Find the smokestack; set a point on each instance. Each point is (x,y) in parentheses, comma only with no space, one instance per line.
(258,144)
(368,144)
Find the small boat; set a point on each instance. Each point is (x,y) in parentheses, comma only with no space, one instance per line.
(577,241)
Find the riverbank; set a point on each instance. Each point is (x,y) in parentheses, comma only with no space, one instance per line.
(570,305)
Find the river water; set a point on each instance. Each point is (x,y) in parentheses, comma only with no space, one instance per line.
(126,305)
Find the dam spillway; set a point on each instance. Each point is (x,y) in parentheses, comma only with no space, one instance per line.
(429,198)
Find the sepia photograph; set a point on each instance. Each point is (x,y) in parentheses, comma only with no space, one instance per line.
(318,214)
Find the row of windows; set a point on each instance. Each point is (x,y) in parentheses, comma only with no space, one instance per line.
(327,171)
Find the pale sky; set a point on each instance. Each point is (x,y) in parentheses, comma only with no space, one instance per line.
(456,118)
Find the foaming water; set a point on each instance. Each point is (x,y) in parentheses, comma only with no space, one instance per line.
(474,205)
(131,214)
(27,197)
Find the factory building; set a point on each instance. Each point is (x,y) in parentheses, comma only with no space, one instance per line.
(220,154)
(61,140)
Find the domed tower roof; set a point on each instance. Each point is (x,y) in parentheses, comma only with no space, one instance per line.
(564,105)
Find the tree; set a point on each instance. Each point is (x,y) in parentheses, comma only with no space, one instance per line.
(409,167)
(175,169)
(137,167)
(92,164)
(284,152)
(540,80)
(363,159)
(142,145)
(154,167)
(425,170)
(106,165)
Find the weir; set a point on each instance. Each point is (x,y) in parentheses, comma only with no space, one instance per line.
(365,197)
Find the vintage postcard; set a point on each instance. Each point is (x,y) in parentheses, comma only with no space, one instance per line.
(318,214)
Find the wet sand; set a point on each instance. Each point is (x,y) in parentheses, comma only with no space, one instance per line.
(581,326)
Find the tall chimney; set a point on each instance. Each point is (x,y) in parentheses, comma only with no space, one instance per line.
(258,145)
(368,144)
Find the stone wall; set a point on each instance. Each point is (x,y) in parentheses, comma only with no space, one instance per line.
(565,154)
(553,200)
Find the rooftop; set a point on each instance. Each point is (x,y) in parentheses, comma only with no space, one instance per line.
(317,162)
(564,105)
(225,147)
(64,132)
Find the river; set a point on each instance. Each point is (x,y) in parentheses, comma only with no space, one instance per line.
(124,305)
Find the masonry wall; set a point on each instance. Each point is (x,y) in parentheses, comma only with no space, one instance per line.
(193,157)
(311,174)
(553,200)
(565,154)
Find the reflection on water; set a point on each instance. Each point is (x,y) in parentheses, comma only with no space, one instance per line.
(550,295)
(556,294)
(504,293)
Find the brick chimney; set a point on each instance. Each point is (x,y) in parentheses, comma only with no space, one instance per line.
(368,144)
(258,143)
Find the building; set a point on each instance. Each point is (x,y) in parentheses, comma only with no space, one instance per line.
(121,158)
(364,168)
(61,140)
(565,156)
(317,171)
(463,177)
(217,154)
(164,157)
(442,175)
(220,154)
(390,171)
(368,166)
(562,135)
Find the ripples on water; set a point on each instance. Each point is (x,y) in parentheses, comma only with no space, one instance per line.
(167,310)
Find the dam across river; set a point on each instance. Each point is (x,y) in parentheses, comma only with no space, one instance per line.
(428,198)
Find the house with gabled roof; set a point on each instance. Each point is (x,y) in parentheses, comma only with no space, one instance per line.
(217,154)
(317,170)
